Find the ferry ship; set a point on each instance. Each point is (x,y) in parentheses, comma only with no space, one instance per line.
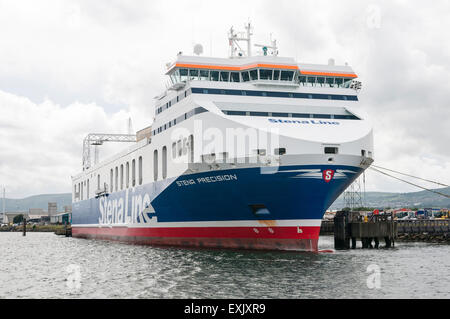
(244,152)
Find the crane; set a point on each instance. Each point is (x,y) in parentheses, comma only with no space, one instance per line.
(97,139)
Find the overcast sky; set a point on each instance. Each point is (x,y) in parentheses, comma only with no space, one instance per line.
(71,67)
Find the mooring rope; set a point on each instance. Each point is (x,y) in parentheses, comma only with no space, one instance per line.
(424,188)
(427,180)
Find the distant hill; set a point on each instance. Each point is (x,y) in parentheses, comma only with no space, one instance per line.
(396,200)
(37,201)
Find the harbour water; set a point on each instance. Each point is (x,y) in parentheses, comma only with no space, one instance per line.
(43,265)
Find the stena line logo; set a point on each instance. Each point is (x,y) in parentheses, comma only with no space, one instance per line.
(328,175)
(313,122)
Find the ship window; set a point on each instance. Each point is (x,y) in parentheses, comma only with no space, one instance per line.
(224,76)
(302,79)
(330,81)
(179,148)
(302,115)
(191,148)
(347,83)
(280,114)
(311,80)
(265,74)
(287,75)
(155,165)
(121,177)
(204,75)
(339,82)
(245,76)
(140,170)
(331,150)
(321,80)
(235,113)
(133,173)
(116,178)
(280,151)
(276,75)
(322,116)
(127,174)
(259,114)
(98,181)
(235,77)
(111,179)
(183,74)
(174,150)
(214,75)
(260,152)
(184,146)
(193,74)
(164,162)
(254,75)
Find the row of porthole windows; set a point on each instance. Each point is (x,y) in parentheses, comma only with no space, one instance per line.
(179,119)
(173,101)
(79,191)
(117,174)
(179,148)
(120,175)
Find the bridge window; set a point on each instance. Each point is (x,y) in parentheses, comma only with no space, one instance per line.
(245,76)
(235,77)
(276,75)
(224,76)
(193,74)
(204,75)
(265,74)
(321,80)
(183,74)
(311,80)
(254,75)
(214,75)
(330,81)
(287,75)
(339,82)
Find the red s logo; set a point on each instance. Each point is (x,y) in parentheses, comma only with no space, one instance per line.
(327,175)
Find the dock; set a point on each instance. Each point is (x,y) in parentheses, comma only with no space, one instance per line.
(351,226)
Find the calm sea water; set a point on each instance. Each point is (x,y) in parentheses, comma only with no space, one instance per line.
(43,265)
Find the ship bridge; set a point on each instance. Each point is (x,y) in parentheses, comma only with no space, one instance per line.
(258,70)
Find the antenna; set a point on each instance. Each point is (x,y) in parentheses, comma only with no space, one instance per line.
(266,47)
(234,38)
